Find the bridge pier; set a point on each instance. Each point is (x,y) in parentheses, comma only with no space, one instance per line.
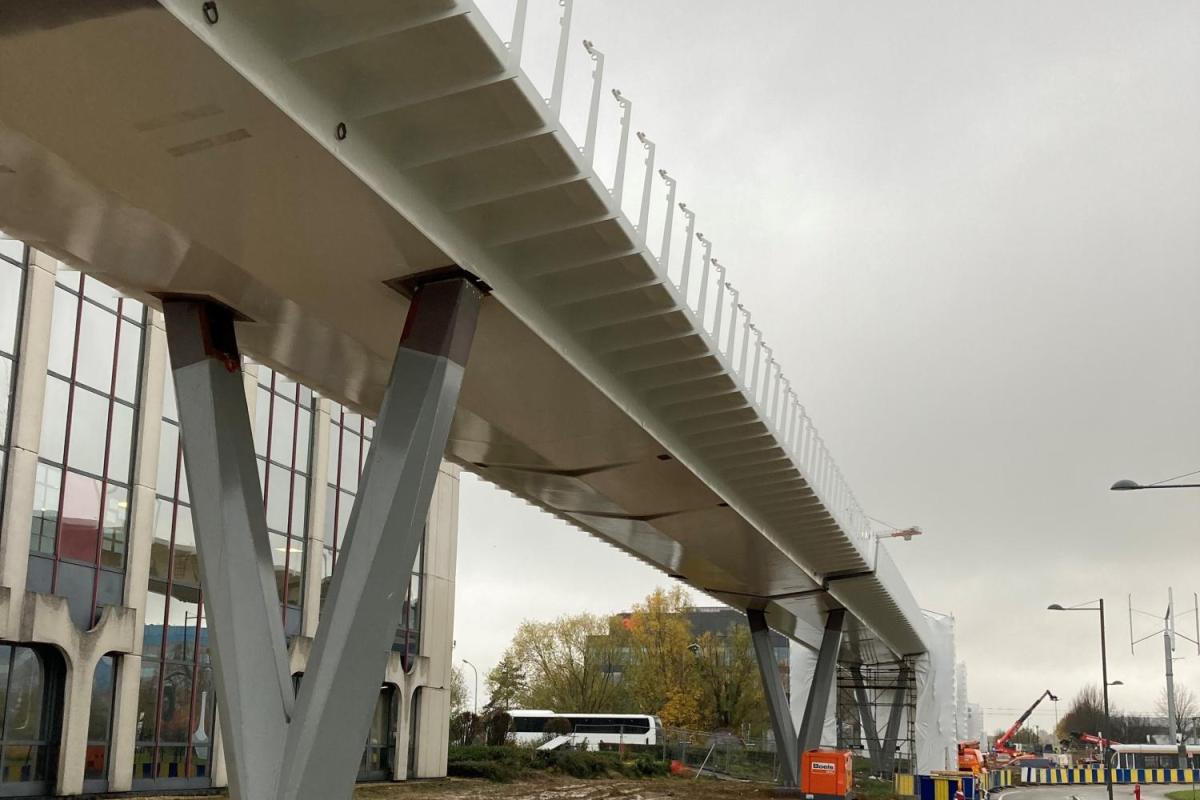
(824,677)
(777,704)
(790,746)
(308,747)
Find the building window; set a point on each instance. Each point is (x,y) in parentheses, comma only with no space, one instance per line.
(13,258)
(176,701)
(104,686)
(80,519)
(350,437)
(31,679)
(283,443)
(380,753)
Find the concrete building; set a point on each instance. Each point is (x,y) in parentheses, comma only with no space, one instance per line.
(104,656)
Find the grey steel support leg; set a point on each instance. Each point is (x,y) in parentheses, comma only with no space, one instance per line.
(870,731)
(893,726)
(241,602)
(340,687)
(822,683)
(777,702)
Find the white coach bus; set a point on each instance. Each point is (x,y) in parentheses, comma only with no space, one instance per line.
(589,730)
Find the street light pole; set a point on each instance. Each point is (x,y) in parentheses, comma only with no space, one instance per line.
(476,695)
(1107,719)
(1106,734)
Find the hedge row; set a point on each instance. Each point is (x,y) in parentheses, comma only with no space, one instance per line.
(506,763)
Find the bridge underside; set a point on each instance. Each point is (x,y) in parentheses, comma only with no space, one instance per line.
(168,165)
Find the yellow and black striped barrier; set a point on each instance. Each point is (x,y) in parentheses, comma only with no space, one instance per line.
(945,785)
(1073,775)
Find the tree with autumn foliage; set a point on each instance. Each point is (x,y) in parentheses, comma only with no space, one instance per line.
(660,673)
(568,665)
(645,662)
(731,687)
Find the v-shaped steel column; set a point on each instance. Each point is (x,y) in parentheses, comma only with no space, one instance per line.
(309,748)
(366,598)
(777,701)
(822,684)
(241,603)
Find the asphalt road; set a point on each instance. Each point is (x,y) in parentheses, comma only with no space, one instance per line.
(1089,792)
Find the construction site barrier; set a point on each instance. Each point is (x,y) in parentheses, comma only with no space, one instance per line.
(944,785)
(937,787)
(1069,775)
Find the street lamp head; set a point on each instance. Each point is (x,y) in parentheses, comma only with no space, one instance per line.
(1124,485)
(1055,607)
(1117,683)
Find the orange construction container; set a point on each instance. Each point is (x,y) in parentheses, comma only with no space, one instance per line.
(826,773)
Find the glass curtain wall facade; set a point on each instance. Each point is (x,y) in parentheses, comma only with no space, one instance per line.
(108,483)
(12,281)
(80,522)
(283,424)
(350,436)
(176,701)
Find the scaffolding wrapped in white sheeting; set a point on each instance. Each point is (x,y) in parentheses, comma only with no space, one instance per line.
(936,729)
(803,665)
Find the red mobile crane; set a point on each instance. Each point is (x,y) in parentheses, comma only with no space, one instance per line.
(1001,745)
(1088,738)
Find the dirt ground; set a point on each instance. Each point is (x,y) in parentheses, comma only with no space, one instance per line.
(557,788)
(560,788)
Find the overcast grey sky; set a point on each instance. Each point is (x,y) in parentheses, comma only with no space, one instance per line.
(971,231)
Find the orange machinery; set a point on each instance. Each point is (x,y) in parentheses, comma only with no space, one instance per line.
(970,757)
(826,773)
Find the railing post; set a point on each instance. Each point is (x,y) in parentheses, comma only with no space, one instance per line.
(518,34)
(686,274)
(589,140)
(622,147)
(700,305)
(747,327)
(758,347)
(734,305)
(560,65)
(718,305)
(785,418)
(764,392)
(644,212)
(664,256)
(775,392)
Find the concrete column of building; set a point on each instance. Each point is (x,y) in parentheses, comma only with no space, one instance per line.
(47,619)
(437,625)
(315,533)
(29,390)
(141,541)
(220,770)
(776,697)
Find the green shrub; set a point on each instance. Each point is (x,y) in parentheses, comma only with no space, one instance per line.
(497,771)
(647,767)
(580,765)
(503,763)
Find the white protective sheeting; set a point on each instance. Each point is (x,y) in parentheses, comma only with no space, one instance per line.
(937,746)
(803,665)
